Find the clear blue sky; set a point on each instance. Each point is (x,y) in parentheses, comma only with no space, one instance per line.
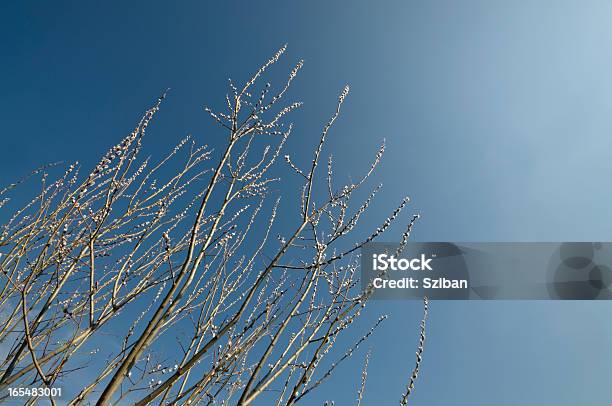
(496,115)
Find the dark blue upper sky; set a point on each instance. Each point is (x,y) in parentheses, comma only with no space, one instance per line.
(497,120)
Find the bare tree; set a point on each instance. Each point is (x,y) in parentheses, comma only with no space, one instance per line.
(172,283)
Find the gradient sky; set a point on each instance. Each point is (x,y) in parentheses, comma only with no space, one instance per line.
(497,120)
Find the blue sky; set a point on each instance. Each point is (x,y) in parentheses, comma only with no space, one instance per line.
(496,116)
